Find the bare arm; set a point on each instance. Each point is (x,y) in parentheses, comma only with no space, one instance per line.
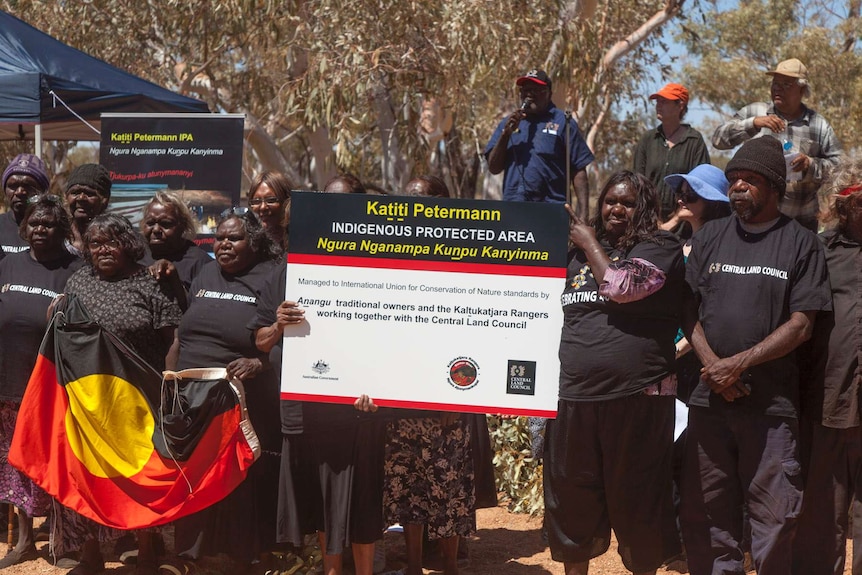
(170,335)
(693,331)
(584,237)
(787,337)
(288,313)
(582,193)
(166,272)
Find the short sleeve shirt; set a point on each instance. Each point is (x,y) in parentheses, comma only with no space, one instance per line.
(609,349)
(27,288)
(10,240)
(748,285)
(134,309)
(536,157)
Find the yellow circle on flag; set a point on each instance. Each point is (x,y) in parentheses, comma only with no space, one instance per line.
(109,425)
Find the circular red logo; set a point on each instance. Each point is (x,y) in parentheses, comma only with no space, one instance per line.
(463,373)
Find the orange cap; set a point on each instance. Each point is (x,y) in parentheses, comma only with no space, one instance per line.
(672,92)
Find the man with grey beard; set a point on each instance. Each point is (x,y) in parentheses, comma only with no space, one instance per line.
(758,278)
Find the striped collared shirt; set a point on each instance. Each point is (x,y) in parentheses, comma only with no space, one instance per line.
(809,134)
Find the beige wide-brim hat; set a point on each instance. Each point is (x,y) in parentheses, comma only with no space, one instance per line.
(792,68)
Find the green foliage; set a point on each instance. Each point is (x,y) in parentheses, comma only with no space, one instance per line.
(343,82)
(518,474)
(730,49)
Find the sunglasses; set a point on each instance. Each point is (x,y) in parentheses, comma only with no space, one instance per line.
(44,198)
(687,196)
(235,211)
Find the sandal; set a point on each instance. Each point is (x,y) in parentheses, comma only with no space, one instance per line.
(19,556)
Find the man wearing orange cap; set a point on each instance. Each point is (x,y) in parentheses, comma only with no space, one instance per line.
(672,148)
(531,146)
(810,146)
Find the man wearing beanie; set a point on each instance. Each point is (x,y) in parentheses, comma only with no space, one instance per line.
(531,144)
(808,142)
(88,190)
(758,279)
(23,178)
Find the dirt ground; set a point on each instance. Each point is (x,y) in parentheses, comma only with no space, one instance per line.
(505,544)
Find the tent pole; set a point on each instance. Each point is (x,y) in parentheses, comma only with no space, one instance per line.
(38,138)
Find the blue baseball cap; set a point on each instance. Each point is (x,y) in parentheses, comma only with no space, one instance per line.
(706,180)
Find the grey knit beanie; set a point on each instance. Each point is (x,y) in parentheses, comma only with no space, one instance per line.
(93,176)
(762,156)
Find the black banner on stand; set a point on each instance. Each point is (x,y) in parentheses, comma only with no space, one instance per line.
(198,156)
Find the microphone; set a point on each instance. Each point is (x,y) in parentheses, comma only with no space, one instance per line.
(524,105)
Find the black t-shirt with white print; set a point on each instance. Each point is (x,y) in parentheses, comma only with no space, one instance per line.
(749,284)
(27,288)
(610,350)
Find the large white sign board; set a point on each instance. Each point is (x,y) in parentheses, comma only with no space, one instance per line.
(426,303)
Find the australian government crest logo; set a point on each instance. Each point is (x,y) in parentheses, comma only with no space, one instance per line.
(320,367)
(463,373)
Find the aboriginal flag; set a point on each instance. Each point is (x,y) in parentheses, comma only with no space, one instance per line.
(100,430)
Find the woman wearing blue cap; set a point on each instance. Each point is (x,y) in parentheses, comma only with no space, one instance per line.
(700,196)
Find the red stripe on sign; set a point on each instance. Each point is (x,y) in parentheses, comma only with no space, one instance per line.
(425,265)
(548,414)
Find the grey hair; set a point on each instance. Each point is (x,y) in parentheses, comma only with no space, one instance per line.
(846,174)
(186,220)
(120,228)
(806,87)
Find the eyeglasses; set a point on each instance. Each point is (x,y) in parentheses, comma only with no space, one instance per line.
(784,85)
(270,201)
(96,245)
(687,196)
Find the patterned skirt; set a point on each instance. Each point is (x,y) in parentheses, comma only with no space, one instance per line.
(429,476)
(15,487)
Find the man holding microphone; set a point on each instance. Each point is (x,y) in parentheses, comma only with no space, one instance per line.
(533,146)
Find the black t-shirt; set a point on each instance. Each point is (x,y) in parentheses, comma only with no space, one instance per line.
(213,333)
(608,349)
(830,371)
(749,284)
(26,290)
(270,298)
(10,241)
(188,262)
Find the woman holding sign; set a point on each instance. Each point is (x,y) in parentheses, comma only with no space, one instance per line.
(222,300)
(608,452)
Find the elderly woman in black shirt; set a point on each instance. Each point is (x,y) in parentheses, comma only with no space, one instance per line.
(37,276)
(222,300)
